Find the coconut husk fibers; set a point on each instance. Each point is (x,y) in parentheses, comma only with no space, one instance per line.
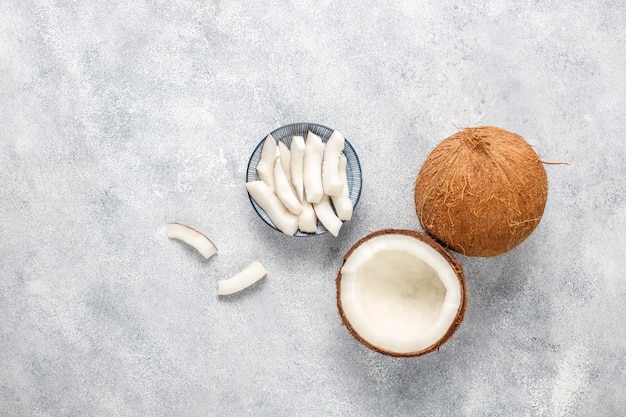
(458,270)
(481,192)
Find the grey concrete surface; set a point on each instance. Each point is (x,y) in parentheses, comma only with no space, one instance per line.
(116,117)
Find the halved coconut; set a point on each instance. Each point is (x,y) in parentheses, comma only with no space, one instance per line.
(400,293)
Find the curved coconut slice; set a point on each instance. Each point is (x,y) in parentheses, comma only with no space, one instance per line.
(285,159)
(254,272)
(342,202)
(307,220)
(327,216)
(283,189)
(283,219)
(297,156)
(400,293)
(192,237)
(265,167)
(331,179)
(312,168)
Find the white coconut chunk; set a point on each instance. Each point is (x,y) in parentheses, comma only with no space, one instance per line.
(254,272)
(307,220)
(331,180)
(283,219)
(327,216)
(297,156)
(399,293)
(342,202)
(283,189)
(192,237)
(265,167)
(285,159)
(312,168)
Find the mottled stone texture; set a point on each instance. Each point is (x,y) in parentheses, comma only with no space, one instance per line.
(116,118)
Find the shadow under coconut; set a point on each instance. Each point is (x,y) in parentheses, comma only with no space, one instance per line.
(507,309)
(391,385)
(485,353)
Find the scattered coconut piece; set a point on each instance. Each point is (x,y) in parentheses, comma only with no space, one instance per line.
(312,168)
(265,167)
(400,293)
(283,219)
(307,220)
(331,180)
(192,237)
(285,159)
(297,156)
(283,189)
(327,216)
(342,202)
(254,272)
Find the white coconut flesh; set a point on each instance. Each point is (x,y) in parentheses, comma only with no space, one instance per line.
(399,294)
(254,272)
(192,237)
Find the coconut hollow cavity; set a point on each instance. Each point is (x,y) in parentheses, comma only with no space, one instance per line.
(481,192)
(400,293)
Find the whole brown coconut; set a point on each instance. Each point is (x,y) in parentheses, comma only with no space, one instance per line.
(482,191)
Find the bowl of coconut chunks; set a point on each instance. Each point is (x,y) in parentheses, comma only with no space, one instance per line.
(304,179)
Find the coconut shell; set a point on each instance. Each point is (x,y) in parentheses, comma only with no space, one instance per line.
(458,270)
(481,192)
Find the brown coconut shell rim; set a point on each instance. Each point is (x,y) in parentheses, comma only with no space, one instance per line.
(454,264)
